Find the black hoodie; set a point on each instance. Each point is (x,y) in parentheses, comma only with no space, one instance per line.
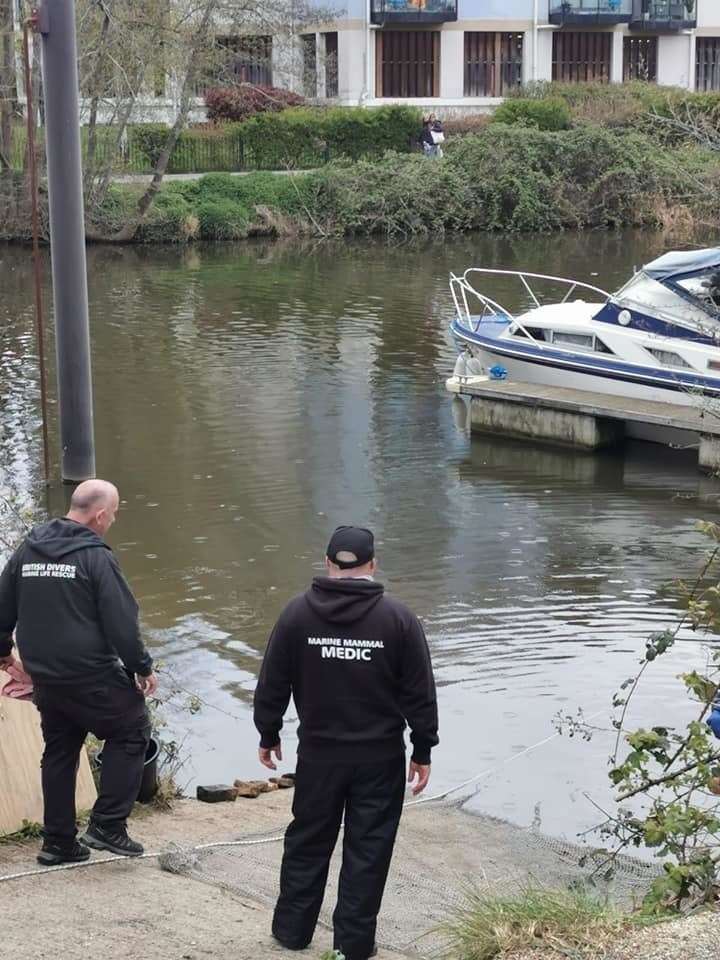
(358,667)
(63,593)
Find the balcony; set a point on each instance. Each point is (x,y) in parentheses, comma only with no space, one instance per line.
(663,16)
(590,13)
(412,11)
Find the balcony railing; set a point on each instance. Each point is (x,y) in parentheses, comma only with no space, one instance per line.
(590,12)
(659,15)
(413,11)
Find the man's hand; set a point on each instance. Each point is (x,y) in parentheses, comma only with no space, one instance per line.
(266,756)
(7,661)
(422,772)
(147,685)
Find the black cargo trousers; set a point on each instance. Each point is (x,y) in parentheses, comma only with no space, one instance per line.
(116,713)
(370,796)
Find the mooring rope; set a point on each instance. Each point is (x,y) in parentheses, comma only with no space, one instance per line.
(41,871)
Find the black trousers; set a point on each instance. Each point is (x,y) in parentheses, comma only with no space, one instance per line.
(115,714)
(370,796)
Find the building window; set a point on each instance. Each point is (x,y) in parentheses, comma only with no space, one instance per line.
(309,76)
(640,58)
(244,60)
(407,63)
(493,63)
(331,64)
(579,57)
(707,74)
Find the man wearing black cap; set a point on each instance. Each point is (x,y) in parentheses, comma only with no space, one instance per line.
(358,667)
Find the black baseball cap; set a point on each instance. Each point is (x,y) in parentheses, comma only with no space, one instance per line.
(351,547)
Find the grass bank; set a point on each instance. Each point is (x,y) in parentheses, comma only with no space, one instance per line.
(503,177)
(570,922)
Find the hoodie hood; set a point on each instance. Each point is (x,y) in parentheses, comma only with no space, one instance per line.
(58,538)
(343,600)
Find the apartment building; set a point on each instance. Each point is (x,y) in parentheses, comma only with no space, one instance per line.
(465,54)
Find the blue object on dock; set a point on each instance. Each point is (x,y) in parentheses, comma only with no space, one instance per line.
(497,372)
(713,721)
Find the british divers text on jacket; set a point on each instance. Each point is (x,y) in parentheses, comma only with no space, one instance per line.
(342,648)
(65,571)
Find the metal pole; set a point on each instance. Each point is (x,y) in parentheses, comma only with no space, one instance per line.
(56,22)
(37,268)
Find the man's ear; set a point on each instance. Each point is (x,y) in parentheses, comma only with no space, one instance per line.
(327,563)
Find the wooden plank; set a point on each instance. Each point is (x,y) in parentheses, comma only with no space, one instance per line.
(21,748)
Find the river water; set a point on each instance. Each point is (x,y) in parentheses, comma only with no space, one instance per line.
(249,398)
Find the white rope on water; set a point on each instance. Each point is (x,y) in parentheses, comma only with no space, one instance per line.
(499,766)
(41,871)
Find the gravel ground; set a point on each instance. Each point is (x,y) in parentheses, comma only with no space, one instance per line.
(134,911)
(695,938)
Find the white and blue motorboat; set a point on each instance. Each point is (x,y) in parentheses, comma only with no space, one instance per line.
(657,338)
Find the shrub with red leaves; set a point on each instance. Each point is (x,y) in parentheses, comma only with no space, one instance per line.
(234,104)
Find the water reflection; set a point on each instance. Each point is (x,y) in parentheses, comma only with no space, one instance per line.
(248,398)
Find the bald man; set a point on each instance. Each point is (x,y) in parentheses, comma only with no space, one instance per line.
(76,627)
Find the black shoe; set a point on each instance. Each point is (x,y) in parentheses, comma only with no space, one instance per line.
(291,946)
(373,952)
(115,841)
(53,854)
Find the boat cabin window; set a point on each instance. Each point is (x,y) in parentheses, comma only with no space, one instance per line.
(669,359)
(537,333)
(581,340)
(586,342)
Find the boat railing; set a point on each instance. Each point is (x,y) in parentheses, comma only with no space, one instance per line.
(461,288)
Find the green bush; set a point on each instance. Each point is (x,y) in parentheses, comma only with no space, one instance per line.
(145,141)
(504,178)
(222,220)
(307,137)
(301,138)
(169,220)
(628,105)
(547,114)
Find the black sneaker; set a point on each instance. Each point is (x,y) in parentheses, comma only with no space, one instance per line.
(52,854)
(115,841)
(373,952)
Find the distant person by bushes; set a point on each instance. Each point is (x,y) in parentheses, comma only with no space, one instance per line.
(234,104)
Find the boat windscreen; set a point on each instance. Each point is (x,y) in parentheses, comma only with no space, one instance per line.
(704,289)
(647,295)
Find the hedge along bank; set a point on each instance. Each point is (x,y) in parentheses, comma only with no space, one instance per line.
(505,178)
(297,137)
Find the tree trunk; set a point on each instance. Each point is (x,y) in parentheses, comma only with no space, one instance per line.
(94,85)
(199,42)
(8,82)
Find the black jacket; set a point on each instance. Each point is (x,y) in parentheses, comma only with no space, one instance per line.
(358,667)
(63,593)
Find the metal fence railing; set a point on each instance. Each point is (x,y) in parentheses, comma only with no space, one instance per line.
(138,152)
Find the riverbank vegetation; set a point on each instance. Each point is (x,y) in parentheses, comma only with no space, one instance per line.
(556,158)
(503,178)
